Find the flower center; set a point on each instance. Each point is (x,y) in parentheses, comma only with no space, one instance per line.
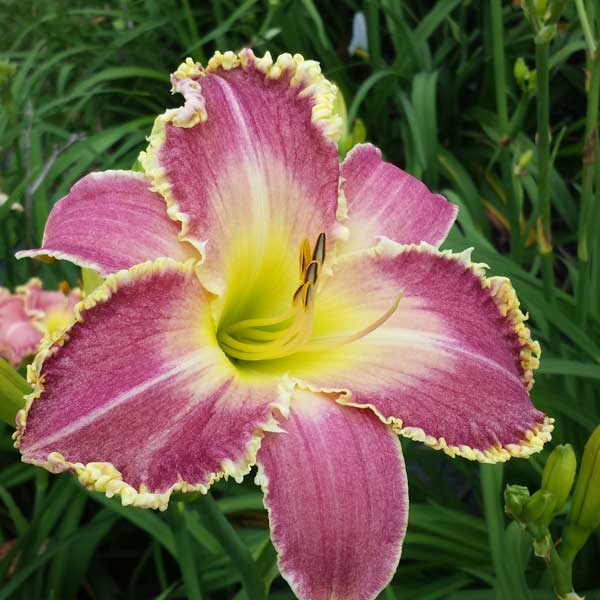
(275,337)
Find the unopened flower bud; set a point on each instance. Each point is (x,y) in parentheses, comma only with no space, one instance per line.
(521,71)
(345,142)
(559,473)
(545,34)
(539,508)
(585,511)
(540,7)
(523,161)
(515,499)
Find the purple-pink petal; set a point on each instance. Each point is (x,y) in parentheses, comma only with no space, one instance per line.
(111,221)
(39,302)
(453,364)
(383,200)
(336,491)
(254,167)
(138,399)
(18,337)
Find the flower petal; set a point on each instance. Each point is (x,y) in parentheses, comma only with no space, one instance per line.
(138,399)
(335,487)
(383,200)
(110,221)
(451,367)
(48,311)
(18,337)
(246,164)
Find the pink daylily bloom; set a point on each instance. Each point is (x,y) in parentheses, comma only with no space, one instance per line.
(29,314)
(265,305)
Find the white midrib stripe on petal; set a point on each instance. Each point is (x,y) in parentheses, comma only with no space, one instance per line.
(255,165)
(424,339)
(193,359)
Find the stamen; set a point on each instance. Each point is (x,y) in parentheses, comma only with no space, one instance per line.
(325,343)
(297,293)
(307,293)
(270,338)
(295,337)
(265,322)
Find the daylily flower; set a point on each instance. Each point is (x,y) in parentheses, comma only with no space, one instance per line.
(266,305)
(30,313)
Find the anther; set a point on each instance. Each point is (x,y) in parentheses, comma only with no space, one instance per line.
(319,251)
(305,255)
(268,338)
(312,272)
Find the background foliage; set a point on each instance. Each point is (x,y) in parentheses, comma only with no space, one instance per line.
(80,85)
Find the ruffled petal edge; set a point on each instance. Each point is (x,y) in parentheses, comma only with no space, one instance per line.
(505,298)
(305,75)
(103,476)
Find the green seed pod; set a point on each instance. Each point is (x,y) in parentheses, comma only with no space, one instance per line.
(559,473)
(585,511)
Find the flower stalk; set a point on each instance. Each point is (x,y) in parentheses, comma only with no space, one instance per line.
(535,512)
(543,23)
(514,208)
(544,226)
(590,148)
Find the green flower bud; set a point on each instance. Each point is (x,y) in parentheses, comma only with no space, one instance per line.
(532,82)
(523,160)
(545,34)
(119,25)
(543,546)
(540,7)
(540,507)
(345,142)
(521,71)
(515,499)
(585,511)
(559,473)
(352,134)
(359,132)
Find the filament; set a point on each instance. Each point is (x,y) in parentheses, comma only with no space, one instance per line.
(269,338)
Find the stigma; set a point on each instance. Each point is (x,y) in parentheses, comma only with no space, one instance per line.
(270,338)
